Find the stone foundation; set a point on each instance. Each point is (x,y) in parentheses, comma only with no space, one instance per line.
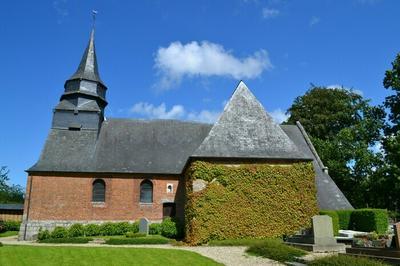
(29,230)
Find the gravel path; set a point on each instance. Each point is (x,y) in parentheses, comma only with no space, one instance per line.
(229,256)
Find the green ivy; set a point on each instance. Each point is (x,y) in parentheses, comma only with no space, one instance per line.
(248,200)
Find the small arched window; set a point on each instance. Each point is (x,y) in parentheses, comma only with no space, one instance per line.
(146,191)
(99,191)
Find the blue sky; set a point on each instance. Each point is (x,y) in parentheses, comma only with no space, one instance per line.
(183,59)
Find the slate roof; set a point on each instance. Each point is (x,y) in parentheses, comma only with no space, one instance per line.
(123,146)
(246,130)
(88,68)
(11,206)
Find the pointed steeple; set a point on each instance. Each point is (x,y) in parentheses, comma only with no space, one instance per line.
(88,68)
(246,130)
(84,99)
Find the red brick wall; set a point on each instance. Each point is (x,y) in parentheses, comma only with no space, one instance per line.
(70,198)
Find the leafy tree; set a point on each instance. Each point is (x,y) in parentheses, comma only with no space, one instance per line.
(9,193)
(344,129)
(391,142)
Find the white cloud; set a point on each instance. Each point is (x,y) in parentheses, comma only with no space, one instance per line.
(314,20)
(205,59)
(148,110)
(279,116)
(268,13)
(337,86)
(151,111)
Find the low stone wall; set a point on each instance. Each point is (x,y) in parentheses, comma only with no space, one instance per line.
(29,229)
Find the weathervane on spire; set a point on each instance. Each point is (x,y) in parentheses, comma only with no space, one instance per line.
(94,13)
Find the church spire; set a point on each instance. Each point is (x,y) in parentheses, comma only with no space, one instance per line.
(83,102)
(88,68)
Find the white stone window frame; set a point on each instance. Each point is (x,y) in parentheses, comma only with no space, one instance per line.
(172,188)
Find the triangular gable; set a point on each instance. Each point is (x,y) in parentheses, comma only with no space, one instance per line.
(245,130)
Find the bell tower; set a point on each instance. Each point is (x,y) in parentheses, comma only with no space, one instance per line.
(82,104)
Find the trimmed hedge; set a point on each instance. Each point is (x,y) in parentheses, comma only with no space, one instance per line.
(2,227)
(138,241)
(76,230)
(369,220)
(345,219)
(276,250)
(67,240)
(12,225)
(155,229)
(170,228)
(335,220)
(248,201)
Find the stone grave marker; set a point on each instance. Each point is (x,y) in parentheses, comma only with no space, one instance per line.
(396,237)
(144,226)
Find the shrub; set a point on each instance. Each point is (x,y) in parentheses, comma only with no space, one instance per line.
(344,219)
(108,229)
(121,228)
(67,240)
(2,227)
(12,225)
(43,234)
(343,260)
(134,227)
(76,230)
(335,220)
(138,241)
(248,201)
(155,229)
(235,242)
(274,249)
(170,228)
(92,230)
(132,234)
(59,232)
(369,220)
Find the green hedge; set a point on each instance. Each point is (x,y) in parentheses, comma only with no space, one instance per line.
(345,219)
(12,225)
(150,240)
(276,250)
(248,201)
(335,220)
(369,220)
(67,240)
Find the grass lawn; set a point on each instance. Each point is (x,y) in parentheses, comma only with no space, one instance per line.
(9,233)
(33,255)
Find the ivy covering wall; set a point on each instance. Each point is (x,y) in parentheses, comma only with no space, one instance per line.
(248,200)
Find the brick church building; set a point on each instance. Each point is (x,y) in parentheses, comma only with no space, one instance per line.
(94,169)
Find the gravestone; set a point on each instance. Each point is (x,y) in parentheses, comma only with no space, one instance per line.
(396,237)
(323,230)
(144,226)
(319,239)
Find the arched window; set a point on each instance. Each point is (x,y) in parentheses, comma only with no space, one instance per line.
(99,191)
(146,191)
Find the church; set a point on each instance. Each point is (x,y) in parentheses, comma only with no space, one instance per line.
(94,169)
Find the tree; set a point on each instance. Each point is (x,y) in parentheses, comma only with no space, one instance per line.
(345,130)
(391,142)
(9,193)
